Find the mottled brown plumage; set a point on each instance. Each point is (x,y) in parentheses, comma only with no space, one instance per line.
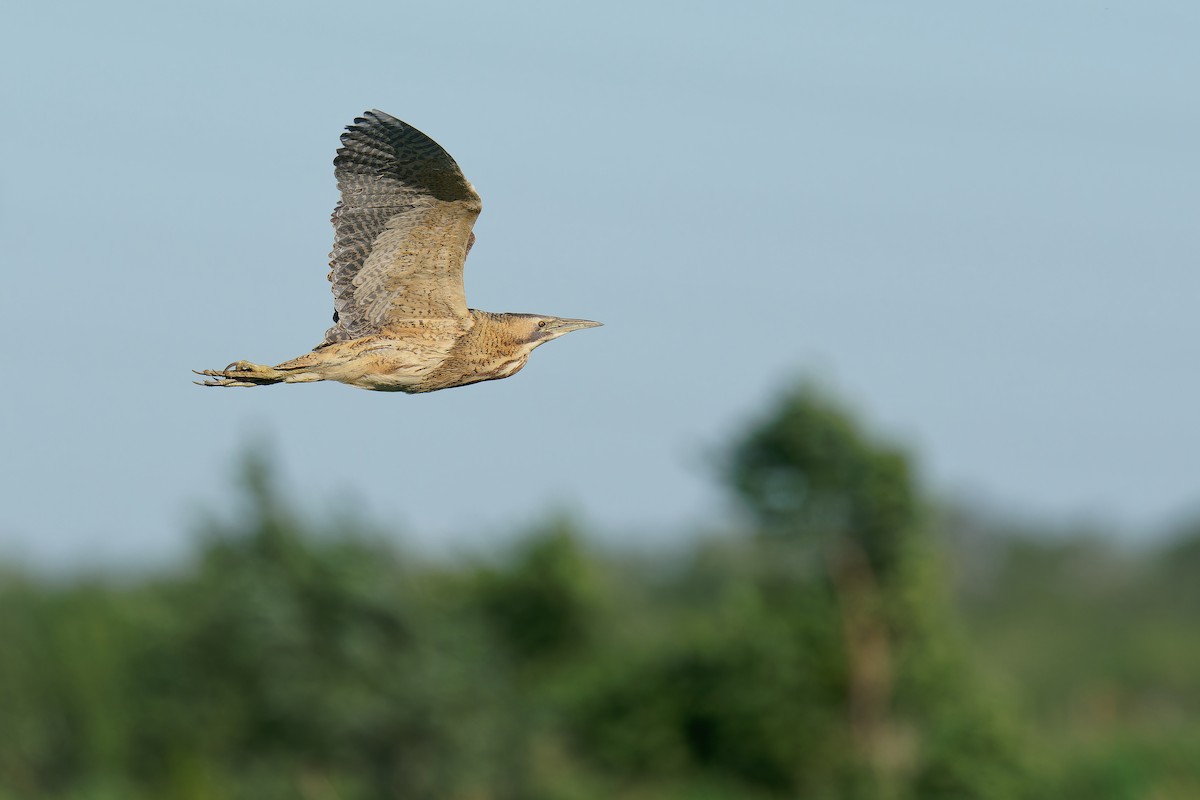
(402,231)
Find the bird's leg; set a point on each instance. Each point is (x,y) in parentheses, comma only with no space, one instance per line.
(242,373)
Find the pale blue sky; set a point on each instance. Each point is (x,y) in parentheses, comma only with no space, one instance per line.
(978,222)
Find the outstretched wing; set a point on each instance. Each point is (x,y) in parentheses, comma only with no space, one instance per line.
(401,229)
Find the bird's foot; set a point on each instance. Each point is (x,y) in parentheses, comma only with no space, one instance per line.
(239,373)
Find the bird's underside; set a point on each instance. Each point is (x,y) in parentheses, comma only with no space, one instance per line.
(383,362)
(402,231)
(407,359)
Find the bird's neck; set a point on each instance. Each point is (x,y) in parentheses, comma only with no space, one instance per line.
(490,350)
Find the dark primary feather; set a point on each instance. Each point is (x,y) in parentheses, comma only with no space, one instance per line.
(401,228)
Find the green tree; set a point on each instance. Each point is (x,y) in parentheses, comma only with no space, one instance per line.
(839,513)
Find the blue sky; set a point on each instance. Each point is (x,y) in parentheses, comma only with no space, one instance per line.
(976,222)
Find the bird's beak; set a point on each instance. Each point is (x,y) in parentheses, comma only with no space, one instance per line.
(558,327)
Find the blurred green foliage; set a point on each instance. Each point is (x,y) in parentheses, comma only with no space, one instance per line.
(847,641)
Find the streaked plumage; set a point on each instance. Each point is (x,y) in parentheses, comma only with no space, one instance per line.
(402,231)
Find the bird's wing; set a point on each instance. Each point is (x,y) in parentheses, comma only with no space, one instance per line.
(401,229)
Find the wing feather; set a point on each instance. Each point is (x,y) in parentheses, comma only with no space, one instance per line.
(402,229)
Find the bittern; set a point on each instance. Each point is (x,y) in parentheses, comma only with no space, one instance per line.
(402,231)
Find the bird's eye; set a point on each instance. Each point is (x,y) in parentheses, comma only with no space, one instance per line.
(541,323)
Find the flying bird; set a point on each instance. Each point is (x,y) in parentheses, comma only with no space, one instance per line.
(402,231)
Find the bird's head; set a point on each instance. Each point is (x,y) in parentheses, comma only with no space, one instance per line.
(537,329)
(507,340)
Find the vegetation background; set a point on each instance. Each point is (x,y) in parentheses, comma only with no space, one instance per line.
(852,637)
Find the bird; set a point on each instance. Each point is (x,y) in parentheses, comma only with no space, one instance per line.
(402,231)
